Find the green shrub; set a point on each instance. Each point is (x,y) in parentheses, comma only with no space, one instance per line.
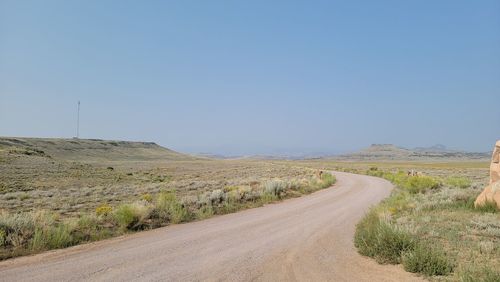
(60,237)
(125,216)
(132,216)
(170,209)
(18,228)
(327,180)
(204,212)
(274,187)
(229,206)
(458,182)
(294,184)
(235,195)
(400,178)
(267,197)
(90,228)
(51,237)
(381,240)
(216,196)
(38,242)
(419,184)
(427,260)
(398,202)
(248,194)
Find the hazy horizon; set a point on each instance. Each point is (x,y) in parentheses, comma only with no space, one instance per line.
(254,78)
(228,151)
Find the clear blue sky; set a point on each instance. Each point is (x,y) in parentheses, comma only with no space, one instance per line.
(246,77)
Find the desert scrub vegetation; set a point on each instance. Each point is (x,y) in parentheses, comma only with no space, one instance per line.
(427,260)
(68,187)
(376,237)
(133,216)
(412,184)
(169,209)
(431,227)
(103,210)
(458,182)
(31,232)
(475,273)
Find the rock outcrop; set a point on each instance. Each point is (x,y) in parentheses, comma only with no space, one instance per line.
(495,164)
(492,192)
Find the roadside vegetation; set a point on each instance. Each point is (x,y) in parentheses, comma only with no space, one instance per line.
(430,226)
(30,182)
(31,232)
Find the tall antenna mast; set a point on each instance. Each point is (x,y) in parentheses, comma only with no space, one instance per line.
(78,122)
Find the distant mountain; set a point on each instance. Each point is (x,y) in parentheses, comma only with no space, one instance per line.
(256,157)
(277,156)
(391,152)
(436,148)
(217,156)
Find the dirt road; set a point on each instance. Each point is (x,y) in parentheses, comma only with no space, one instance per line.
(302,239)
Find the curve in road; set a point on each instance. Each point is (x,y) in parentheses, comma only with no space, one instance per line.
(302,239)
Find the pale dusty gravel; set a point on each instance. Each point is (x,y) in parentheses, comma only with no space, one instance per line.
(302,239)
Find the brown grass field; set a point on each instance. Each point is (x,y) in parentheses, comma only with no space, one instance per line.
(56,193)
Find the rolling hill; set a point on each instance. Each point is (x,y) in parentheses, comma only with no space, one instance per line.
(91,150)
